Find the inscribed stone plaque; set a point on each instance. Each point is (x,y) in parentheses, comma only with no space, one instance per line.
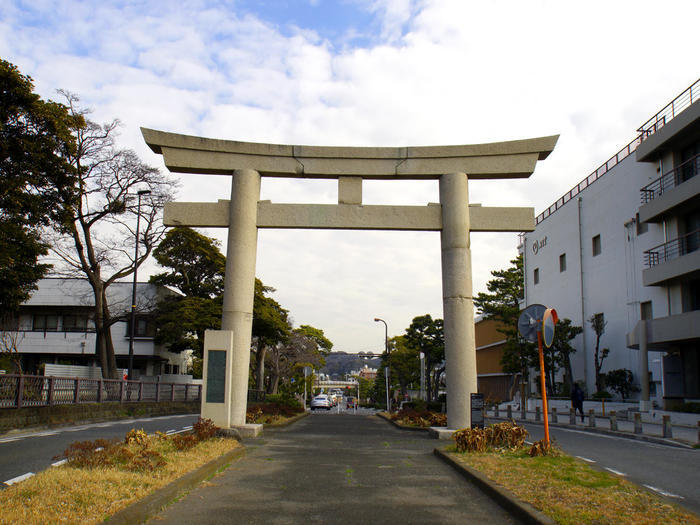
(477,405)
(216,376)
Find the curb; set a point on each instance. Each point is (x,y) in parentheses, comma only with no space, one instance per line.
(290,421)
(140,511)
(596,430)
(385,417)
(523,511)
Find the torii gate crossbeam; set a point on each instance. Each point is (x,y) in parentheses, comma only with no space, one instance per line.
(227,352)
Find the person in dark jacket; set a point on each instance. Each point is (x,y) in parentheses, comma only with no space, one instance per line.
(577,399)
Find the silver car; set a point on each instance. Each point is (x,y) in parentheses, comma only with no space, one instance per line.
(321,401)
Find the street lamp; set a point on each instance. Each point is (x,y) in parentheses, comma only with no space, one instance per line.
(386,368)
(133,287)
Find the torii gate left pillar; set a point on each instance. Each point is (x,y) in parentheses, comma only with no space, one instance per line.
(226,381)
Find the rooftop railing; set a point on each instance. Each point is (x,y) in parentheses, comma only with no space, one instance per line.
(678,104)
(673,249)
(673,108)
(673,178)
(598,173)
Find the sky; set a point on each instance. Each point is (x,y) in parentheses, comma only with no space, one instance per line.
(365,73)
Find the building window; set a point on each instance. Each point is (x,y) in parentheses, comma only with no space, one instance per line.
(597,248)
(646,312)
(536,276)
(642,227)
(74,323)
(45,323)
(143,327)
(562,262)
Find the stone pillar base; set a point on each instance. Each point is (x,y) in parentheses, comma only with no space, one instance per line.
(249,430)
(441,432)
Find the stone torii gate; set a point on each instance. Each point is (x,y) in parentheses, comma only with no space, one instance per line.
(227,351)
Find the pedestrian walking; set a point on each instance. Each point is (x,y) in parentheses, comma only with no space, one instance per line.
(577,399)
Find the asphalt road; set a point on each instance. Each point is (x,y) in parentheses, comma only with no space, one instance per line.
(337,468)
(670,471)
(33,452)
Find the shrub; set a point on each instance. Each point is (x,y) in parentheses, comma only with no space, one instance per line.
(422,418)
(138,437)
(543,448)
(184,441)
(204,429)
(499,436)
(602,395)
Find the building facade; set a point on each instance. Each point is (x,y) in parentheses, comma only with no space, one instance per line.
(623,245)
(55,326)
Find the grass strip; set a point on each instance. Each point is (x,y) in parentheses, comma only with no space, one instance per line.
(75,495)
(571,492)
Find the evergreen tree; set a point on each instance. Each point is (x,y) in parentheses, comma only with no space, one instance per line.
(503,305)
(35,177)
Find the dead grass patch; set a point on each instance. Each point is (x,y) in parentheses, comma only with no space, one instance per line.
(89,495)
(571,492)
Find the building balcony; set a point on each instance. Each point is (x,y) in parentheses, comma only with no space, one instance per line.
(675,123)
(675,259)
(665,331)
(672,193)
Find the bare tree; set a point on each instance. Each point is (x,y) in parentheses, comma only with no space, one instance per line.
(97,238)
(10,339)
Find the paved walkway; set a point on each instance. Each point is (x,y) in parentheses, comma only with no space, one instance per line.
(337,468)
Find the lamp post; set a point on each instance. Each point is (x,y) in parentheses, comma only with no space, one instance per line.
(386,368)
(132,328)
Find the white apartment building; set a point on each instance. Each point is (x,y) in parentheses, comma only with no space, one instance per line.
(55,326)
(624,243)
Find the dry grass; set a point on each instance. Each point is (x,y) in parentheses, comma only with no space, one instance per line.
(74,495)
(571,492)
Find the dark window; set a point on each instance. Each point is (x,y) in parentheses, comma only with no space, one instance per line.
(45,323)
(74,323)
(646,312)
(642,227)
(597,248)
(536,276)
(143,327)
(562,262)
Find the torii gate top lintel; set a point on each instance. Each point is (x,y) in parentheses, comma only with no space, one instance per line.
(495,160)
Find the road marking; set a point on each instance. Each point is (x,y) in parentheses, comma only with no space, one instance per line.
(42,434)
(615,471)
(19,478)
(187,428)
(103,425)
(170,431)
(586,459)
(59,463)
(664,493)
(8,440)
(177,432)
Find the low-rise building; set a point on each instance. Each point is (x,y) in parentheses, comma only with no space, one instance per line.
(55,325)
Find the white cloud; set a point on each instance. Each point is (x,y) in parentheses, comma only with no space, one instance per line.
(440,72)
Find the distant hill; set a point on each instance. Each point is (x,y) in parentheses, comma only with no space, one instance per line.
(340,363)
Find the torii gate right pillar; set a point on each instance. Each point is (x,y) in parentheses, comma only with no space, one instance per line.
(457,302)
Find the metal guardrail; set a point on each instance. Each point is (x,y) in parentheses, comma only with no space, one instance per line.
(672,249)
(598,173)
(673,108)
(17,391)
(671,179)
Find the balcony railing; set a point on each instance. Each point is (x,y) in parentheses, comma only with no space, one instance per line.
(18,391)
(672,249)
(673,178)
(673,108)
